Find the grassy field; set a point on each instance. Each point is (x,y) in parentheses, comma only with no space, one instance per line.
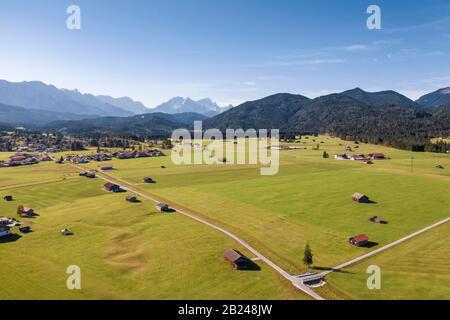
(309,200)
(125,251)
(417,269)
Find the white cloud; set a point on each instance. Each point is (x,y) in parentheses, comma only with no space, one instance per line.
(356,47)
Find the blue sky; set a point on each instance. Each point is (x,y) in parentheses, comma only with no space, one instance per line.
(230,51)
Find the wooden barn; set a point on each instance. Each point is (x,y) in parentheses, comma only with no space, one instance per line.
(377,219)
(90,175)
(361,198)
(359,240)
(236,259)
(131,199)
(111,187)
(106,167)
(163,207)
(149,180)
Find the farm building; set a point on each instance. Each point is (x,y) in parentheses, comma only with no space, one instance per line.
(7,222)
(131,199)
(358,157)
(27,211)
(359,197)
(359,240)
(90,175)
(66,232)
(162,207)
(106,167)
(111,187)
(377,219)
(377,156)
(341,156)
(8,198)
(26,229)
(4,231)
(236,259)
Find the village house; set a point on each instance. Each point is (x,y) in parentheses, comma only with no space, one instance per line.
(361,198)
(360,240)
(7,222)
(4,231)
(358,157)
(341,156)
(377,156)
(236,259)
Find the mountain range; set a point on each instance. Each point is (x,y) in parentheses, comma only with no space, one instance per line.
(375,116)
(181,105)
(36,95)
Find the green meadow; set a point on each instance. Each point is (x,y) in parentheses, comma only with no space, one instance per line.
(417,269)
(130,251)
(124,250)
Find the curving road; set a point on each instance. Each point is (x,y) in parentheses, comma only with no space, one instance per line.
(292,279)
(297,281)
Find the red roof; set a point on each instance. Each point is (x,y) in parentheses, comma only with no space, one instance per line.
(361,238)
(377,155)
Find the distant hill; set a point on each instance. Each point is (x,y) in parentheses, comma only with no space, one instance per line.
(125,103)
(270,112)
(382,98)
(436,98)
(40,96)
(149,124)
(19,116)
(175,105)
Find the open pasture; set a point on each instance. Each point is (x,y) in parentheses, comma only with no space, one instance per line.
(125,250)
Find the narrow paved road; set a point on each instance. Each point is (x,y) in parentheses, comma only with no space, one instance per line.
(372,253)
(297,281)
(292,279)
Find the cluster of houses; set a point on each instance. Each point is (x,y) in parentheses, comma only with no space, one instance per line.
(6,223)
(361,157)
(124,154)
(132,154)
(80,159)
(24,159)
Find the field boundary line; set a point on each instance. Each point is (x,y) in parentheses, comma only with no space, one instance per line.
(270,263)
